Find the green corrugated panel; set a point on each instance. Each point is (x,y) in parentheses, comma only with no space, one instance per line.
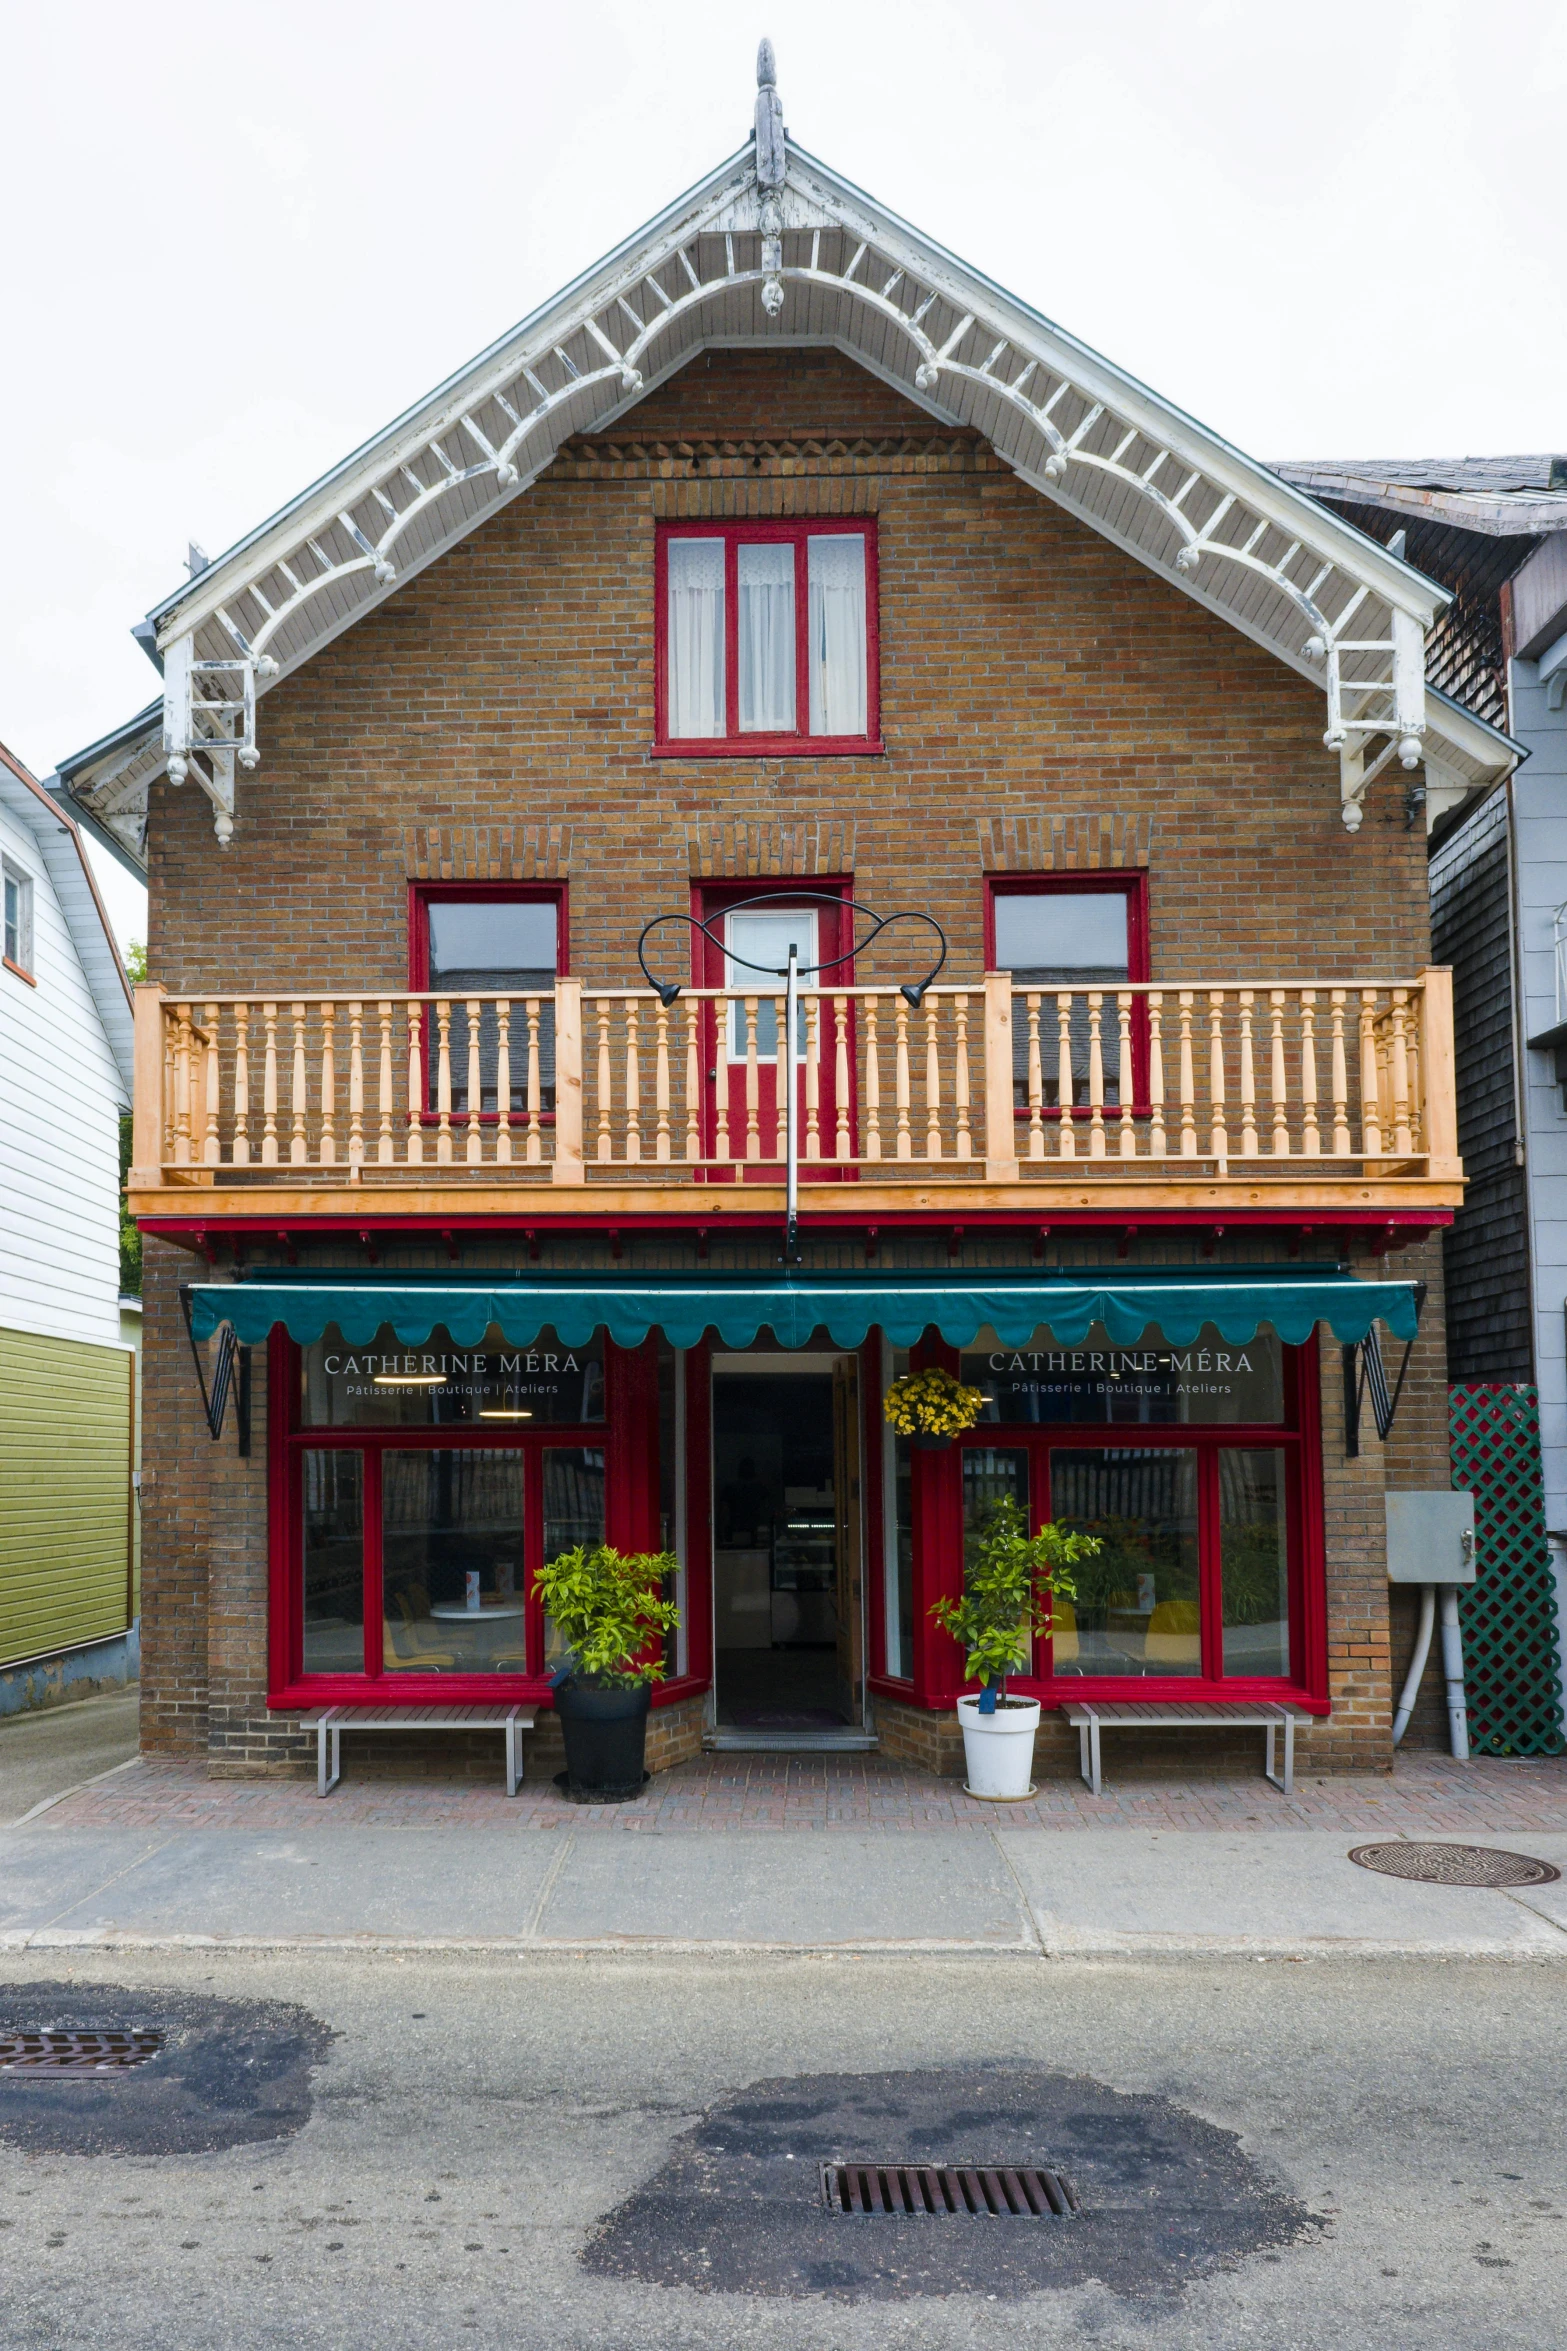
(1512,1652)
(65,1464)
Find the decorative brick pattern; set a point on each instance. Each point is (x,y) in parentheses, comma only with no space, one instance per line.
(487,853)
(819,845)
(1066,844)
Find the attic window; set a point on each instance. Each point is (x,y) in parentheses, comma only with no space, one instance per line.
(766,639)
(18,895)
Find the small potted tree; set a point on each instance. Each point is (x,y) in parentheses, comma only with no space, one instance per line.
(609,1609)
(1010,1579)
(930,1408)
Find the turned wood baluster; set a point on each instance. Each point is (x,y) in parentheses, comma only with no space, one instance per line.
(901,1021)
(211,1143)
(182,1059)
(661,1080)
(1403,1140)
(298,1149)
(473,1091)
(1188,1077)
(385,1150)
(693,1014)
(1218,1136)
(721,1074)
(443,1080)
(1124,1086)
(1036,1084)
(753,1084)
(242,1085)
(872,1083)
(1248,1079)
(1339,1079)
(356,1085)
(1156,1134)
(960,1079)
(269,1087)
(633,1090)
(1310,1132)
(781,1077)
(606,1148)
(416,1089)
(1096,1075)
(534,1006)
(1370,1107)
(1277,1079)
(932,1080)
(1065,1090)
(328,1150)
(843,1146)
(502,1081)
(813,1077)
(1417,1098)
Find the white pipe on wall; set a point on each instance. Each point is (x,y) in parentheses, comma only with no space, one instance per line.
(1453,1669)
(1417,1663)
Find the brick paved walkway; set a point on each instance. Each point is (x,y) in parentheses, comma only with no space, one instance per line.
(1427,1794)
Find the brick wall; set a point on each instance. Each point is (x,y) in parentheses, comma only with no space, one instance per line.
(1038,688)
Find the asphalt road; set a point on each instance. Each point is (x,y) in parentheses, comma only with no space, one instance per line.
(52,1748)
(1341,2152)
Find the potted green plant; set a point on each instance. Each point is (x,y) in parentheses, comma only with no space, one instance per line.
(1010,1579)
(930,1408)
(609,1608)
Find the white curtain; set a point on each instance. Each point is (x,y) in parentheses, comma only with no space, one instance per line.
(696,637)
(837,620)
(766,578)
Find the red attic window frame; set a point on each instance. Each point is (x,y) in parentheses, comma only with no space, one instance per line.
(732,744)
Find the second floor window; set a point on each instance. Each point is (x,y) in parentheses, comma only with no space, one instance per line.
(1058,937)
(466,944)
(767,637)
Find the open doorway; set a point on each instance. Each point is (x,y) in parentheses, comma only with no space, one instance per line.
(786,1558)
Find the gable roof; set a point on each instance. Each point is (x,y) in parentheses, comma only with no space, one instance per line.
(774,248)
(64,859)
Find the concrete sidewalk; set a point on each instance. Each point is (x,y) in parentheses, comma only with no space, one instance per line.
(160,1856)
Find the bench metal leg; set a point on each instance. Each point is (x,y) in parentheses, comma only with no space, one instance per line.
(325,1781)
(1088,1754)
(513,1757)
(1286,1783)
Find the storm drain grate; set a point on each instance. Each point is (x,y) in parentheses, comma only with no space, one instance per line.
(77,2053)
(1455,1865)
(915,2191)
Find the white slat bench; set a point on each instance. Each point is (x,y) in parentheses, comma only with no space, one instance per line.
(1088,1721)
(330,1723)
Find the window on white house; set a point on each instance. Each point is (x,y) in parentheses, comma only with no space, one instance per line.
(18,892)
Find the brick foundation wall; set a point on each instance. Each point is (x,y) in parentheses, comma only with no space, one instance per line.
(1038,688)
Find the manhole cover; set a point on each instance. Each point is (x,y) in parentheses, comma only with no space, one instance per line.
(76,2054)
(1455,1865)
(970,2190)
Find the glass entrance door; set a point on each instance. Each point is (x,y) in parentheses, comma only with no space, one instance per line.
(788,1623)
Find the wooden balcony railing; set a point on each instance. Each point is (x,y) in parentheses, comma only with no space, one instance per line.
(994,1083)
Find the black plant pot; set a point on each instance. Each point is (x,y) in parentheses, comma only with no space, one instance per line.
(928,1444)
(606,1737)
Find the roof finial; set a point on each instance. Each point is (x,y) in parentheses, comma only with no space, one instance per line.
(771,160)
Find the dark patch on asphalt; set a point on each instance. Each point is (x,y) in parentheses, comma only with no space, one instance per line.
(233,2072)
(736,2207)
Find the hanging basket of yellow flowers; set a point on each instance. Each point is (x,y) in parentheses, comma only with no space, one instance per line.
(930,1408)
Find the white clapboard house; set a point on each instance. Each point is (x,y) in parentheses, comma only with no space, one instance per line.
(67,1351)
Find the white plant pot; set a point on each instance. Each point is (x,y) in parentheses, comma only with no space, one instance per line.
(999,1748)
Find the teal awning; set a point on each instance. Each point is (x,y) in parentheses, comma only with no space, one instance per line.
(736,1307)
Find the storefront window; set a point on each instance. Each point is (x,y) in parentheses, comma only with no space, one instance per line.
(452,1568)
(573,1512)
(389,1384)
(334,1548)
(1254,1561)
(1154,1382)
(1137,1609)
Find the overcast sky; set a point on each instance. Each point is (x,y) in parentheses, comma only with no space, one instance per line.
(242,240)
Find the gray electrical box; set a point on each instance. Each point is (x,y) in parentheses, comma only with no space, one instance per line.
(1431,1537)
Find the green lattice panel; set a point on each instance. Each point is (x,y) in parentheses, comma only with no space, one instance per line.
(1512,1658)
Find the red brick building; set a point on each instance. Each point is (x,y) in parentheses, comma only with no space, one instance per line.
(781,577)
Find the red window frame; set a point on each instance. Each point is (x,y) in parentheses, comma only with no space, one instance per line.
(937,1505)
(421,897)
(1132,885)
(732,744)
(629,1436)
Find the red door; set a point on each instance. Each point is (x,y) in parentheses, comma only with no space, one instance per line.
(750,935)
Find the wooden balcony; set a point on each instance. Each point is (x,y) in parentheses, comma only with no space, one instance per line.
(1214,1097)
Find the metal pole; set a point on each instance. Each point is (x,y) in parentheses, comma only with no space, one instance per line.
(791,1124)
